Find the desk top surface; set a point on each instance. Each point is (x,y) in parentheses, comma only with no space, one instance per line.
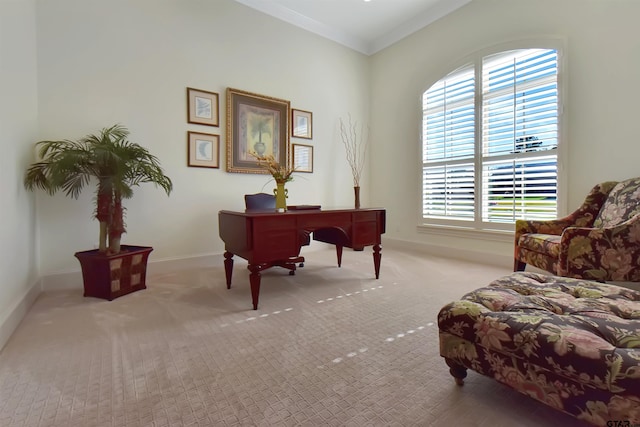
(271,212)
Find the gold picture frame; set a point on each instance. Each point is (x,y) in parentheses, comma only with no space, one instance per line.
(203,150)
(301,124)
(256,124)
(302,157)
(202,107)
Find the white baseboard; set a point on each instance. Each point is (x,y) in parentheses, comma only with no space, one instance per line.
(167,265)
(67,280)
(73,279)
(17,312)
(498,260)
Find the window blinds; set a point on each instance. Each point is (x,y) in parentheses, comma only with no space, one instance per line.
(449,146)
(512,172)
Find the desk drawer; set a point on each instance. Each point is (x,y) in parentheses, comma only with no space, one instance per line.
(365,233)
(276,245)
(267,224)
(365,216)
(274,239)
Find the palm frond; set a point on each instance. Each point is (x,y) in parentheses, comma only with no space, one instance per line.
(108,157)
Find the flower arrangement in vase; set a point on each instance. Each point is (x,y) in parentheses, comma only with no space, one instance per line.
(280,173)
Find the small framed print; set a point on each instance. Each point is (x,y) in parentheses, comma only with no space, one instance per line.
(301,123)
(203,150)
(202,107)
(302,157)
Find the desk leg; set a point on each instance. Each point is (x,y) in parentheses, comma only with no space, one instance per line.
(228,267)
(254,279)
(377,256)
(339,254)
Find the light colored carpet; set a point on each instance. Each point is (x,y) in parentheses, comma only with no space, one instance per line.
(327,347)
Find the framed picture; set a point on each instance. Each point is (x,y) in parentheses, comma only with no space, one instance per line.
(256,124)
(202,107)
(302,157)
(301,123)
(203,150)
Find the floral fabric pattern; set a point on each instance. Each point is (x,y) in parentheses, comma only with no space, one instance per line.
(571,344)
(599,241)
(621,204)
(548,244)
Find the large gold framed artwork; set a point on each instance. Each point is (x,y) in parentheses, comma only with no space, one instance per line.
(256,124)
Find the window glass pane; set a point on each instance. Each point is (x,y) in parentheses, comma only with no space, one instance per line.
(518,189)
(448,192)
(520,102)
(448,126)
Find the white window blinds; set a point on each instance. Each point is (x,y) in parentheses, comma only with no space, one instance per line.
(489,146)
(449,146)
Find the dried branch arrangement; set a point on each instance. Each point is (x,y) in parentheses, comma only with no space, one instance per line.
(279,172)
(355,146)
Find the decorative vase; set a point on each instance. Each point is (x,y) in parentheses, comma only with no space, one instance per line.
(356,193)
(281,194)
(260,148)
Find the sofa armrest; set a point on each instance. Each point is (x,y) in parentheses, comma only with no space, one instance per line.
(609,253)
(584,216)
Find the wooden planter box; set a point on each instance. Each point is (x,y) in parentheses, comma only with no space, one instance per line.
(111,276)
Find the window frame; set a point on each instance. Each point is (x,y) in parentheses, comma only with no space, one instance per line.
(477,225)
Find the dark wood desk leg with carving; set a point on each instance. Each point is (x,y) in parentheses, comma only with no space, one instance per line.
(377,256)
(339,255)
(228,267)
(254,279)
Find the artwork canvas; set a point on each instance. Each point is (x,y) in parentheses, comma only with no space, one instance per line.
(203,150)
(256,124)
(202,107)
(301,124)
(302,157)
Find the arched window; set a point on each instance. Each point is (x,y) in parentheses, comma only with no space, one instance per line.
(490,139)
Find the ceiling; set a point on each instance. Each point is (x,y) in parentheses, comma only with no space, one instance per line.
(365,26)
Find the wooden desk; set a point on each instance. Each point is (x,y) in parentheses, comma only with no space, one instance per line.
(267,239)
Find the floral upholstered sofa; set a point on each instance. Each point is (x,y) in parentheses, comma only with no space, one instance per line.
(598,241)
(571,344)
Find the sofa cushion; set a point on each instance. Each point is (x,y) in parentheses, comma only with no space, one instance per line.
(623,203)
(548,244)
(582,331)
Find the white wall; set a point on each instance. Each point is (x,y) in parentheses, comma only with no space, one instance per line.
(18,124)
(603,64)
(98,62)
(102,62)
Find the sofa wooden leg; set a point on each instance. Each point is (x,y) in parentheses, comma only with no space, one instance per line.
(519,265)
(457,371)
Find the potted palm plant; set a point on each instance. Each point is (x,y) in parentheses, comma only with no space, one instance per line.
(116,165)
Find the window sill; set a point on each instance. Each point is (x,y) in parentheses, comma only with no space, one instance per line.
(466,232)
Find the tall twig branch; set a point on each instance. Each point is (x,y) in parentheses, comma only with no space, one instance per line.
(355,146)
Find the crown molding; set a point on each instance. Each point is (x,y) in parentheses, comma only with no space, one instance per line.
(306,23)
(367,47)
(437,11)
